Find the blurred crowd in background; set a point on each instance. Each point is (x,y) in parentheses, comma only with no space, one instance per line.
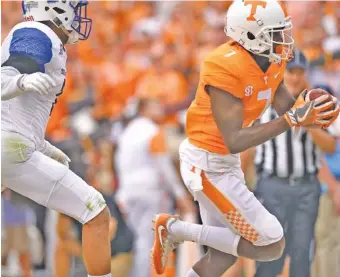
(140,49)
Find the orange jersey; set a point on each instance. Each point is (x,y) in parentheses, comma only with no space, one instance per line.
(232,69)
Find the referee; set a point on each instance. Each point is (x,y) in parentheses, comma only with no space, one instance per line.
(288,185)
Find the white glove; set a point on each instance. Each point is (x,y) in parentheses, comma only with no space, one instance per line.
(37,82)
(55,154)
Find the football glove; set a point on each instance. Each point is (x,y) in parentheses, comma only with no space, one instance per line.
(315,112)
(55,154)
(37,82)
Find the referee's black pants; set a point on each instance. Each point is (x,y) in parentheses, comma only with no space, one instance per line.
(295,204)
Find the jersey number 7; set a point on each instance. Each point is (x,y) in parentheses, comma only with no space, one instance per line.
(263,95)
(57,95)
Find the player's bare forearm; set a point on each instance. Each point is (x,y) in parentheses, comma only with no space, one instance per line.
(228,112)
(255,135)
(283,100)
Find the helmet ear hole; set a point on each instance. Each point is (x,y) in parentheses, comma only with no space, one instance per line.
(250,36)
(58,10)
(47,8)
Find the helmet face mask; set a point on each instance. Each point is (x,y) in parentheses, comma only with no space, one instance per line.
(279,41)
(69,16)
(265,30)
(81,24)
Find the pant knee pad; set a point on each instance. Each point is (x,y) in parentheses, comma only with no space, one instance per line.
(270,230)
(95,205)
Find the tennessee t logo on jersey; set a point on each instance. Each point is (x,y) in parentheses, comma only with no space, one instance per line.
(254,5)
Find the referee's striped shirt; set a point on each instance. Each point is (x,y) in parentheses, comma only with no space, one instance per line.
(289,154)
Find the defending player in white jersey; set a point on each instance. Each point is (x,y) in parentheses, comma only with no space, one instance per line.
(33,69)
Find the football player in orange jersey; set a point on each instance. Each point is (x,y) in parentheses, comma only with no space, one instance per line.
(238,81)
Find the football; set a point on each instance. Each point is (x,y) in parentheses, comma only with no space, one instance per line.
(316,93)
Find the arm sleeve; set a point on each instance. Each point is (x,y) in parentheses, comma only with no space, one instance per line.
(163,162)
(47,149)
(221,76)
(9,83)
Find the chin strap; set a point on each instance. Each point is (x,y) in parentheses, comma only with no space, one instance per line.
(72,35)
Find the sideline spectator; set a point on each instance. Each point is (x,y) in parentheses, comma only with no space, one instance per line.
(327,256)
(17,217)
(148,181)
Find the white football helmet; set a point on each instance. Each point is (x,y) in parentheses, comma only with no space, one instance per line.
(261,27)
(70,16)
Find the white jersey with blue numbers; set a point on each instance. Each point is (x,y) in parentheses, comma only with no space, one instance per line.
(28,113)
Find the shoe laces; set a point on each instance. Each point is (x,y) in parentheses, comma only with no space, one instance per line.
(173,240)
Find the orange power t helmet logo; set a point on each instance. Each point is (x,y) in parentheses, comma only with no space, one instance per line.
(254,5)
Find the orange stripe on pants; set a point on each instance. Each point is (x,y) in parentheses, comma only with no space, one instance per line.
(233,216)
